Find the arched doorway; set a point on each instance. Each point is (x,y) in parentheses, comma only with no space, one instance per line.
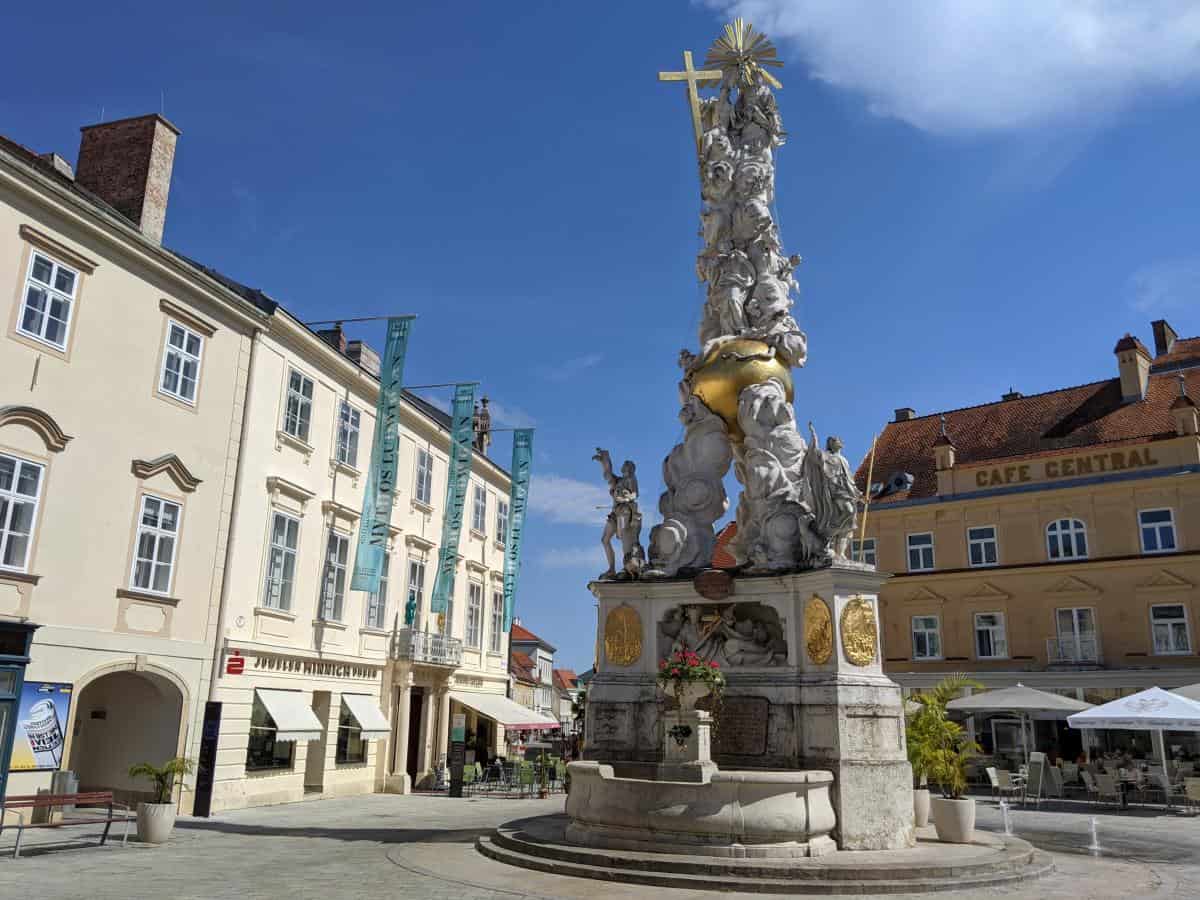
(121,719)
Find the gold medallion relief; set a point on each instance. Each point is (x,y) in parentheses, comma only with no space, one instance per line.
(860,633)
(818,631)
(623,636)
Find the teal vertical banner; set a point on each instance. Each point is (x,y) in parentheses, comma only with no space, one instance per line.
(522,461)
(385,461)
(462,434)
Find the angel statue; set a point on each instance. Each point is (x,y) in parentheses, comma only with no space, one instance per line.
(625,520)
(835,495)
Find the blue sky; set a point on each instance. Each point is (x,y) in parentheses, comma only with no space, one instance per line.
(986,194)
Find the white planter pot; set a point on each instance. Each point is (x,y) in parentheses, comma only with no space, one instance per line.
(953,819)
(920,807)
(155,822)
(689,693)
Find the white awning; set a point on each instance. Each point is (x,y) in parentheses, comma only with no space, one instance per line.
(366,712)
(293,717)
(1019,699)
(508,713)
(1192,691)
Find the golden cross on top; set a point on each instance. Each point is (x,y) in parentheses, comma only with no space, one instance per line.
(693,78)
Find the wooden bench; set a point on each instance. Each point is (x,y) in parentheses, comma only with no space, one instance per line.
(43,801)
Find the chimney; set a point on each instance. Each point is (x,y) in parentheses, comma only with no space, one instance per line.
(365,356)
(334,337)
(1012,395)
(127,164)
(904,413)
(58,164)
(1184,411)
(1164,337)
(1133,365)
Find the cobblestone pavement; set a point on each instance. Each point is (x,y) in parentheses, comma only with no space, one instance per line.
(384,846)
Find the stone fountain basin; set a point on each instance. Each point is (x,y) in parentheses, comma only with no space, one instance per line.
(734,815)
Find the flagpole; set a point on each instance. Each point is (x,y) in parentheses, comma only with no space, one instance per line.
(862,532)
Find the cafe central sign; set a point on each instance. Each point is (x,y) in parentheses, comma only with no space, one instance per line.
(1065,467)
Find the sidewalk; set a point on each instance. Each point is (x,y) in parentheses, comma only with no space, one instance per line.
(421,847)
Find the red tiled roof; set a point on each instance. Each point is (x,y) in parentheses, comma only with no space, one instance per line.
(1087,415)
(565,679)
(521,633)
(1183,349)
(1129,342)
(521,667)
(722,558)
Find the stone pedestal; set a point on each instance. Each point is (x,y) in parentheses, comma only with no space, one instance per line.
(687,751)
(805,689)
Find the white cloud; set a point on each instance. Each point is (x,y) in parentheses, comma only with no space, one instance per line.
(569,501)
(510,416)
(962,66)
(1167,285)
(568,369)
(573,557)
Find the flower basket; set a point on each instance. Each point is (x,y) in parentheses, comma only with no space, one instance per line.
(689,678)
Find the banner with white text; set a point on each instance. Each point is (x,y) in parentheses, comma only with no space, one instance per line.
(462,434)
(385,460)
(522,461)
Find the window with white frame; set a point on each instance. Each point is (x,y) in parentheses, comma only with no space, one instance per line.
(20,491)
(349,420)
(497,635)
(502,521)
(1066,539)
(154,556)
(181,363)
(926,637)
(991,642)
(474,613)
(416,588)
(423,489)
(920,552)
(1168,622)
(297,414)
(281,561)
(1158,530)
(377,600)
(479,510)
(48,302)
(333,583)
(864,551)
(981,546)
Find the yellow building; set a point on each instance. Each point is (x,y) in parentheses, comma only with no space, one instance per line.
(1051,540)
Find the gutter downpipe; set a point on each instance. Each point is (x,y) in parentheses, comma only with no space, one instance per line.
(230,541)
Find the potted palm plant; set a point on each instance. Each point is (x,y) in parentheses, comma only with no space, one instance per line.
(156,819)
(939,752)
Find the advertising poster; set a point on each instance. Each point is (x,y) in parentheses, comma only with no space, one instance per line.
(41,726)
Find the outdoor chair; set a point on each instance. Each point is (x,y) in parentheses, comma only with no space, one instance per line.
(468,779)
(1006,784)
(1169,790)
(1053,781)
(1089,784)
(995,781)
(1107,786)
(1191,792)
(1070,773)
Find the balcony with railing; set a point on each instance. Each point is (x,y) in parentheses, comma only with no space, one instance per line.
(1079,650)
(427,648)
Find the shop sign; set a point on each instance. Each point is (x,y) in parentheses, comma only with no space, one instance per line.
(1066,467)
(273,662)
(236,664)
(41,726)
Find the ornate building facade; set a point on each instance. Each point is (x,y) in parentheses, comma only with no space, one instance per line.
(1051,540)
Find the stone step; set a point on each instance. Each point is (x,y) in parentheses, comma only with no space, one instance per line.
(1011,857)
(995,861)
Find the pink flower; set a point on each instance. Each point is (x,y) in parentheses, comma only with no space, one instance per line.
(714,665)
(663,664)
(674,671)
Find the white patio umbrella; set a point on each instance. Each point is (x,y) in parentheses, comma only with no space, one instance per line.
(1192,691)
(1150,710)
(1025,702)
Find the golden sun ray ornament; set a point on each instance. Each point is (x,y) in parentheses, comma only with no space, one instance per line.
(746,52)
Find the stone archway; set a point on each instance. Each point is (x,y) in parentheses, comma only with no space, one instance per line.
(122,718)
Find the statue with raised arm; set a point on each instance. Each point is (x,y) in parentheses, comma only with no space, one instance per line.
(835,495)
(624,522)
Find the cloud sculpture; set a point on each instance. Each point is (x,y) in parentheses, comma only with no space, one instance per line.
(979,66)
